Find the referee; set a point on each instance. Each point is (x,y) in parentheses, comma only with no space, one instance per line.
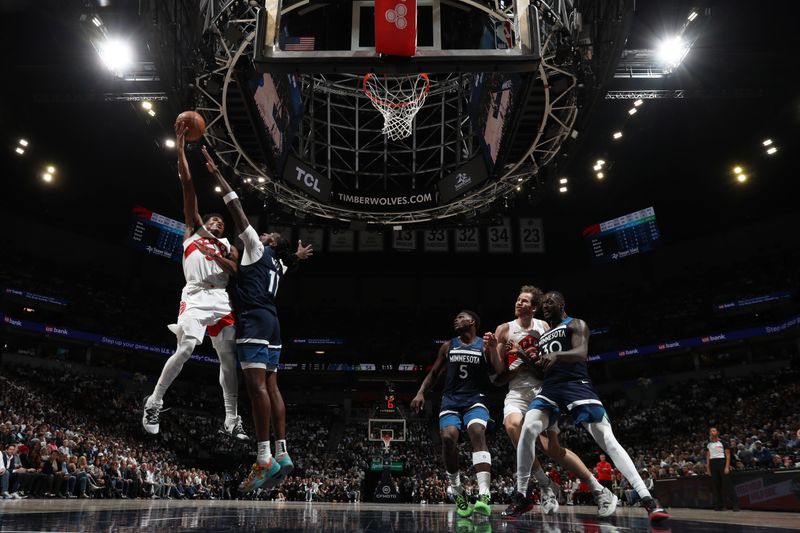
(718,466)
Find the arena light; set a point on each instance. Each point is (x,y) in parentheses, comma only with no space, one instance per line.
(217,189)
(51,169)
(771,150)
(563,181)
(147,105)
(692,16)
(562,190)
(23,142)
(617,135)
(737,169)
(741,177)
(632,111)
(152,113)
(519,188)
(19,150)
(97,22)
(261,180)
(116,54)
(766,142)
(169,143)
(600,162)
(600,175)
(319,352)
(597,167)
(671,51)
(47,177)
(519,180)
(638,102)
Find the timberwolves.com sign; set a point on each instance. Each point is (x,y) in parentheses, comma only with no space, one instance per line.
(377,202)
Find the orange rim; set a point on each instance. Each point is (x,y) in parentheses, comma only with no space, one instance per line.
(394,105)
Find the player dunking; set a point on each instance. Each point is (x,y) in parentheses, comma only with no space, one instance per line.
(205,306)
(524,383)
(563,352)
(258,336)
(463,408)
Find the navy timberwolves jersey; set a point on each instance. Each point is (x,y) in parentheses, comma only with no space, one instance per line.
(467,374)
(257,283)
(559,339)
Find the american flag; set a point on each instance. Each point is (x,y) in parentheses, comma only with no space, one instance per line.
(299,44)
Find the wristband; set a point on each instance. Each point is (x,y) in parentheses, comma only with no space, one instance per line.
(230,196)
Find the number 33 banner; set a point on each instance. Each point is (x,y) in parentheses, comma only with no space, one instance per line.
(531,236)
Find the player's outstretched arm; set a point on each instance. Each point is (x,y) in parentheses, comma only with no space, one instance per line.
(227,262)
(233,203)
(419,400)
(191,215)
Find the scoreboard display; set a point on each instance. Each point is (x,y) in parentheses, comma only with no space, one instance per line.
(623,236)
(156,234)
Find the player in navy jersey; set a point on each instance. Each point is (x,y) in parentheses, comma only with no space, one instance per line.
(258,339)
(562,353)
(463,408)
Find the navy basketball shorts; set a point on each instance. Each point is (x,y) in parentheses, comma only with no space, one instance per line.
(578,398)
(258,339)
(462,415)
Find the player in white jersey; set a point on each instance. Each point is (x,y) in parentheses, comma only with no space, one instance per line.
(205,308)
(524,384)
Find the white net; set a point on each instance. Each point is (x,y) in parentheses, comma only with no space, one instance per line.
(398,98)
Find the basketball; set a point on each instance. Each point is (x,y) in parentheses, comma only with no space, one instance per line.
(195,122)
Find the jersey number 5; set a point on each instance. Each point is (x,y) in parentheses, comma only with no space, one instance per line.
(463,371)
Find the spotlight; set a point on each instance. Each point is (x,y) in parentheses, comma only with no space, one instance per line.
(319,352)
(772,150)
(632,111)
(19,150)
(600,162)
(766,142)
(248,180)
(169,143)
(217,189)
(737,169)
(47,177)
(519,180)
(23,142)
(261,180)
(600,175)
(638,102)
(692,16)
(562,190)
(741,177)
(97,22)
(617,135)
(563,181)
(152,113)
(147,105)
(51,169)
(597,167)
(672,51)
(519,188)
(116,55)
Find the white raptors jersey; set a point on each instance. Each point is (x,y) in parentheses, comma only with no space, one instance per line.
(523,380)
(202,271)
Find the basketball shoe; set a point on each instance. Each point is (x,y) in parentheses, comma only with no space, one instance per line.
(260,475)
(520,504)
(234,428)
(483,505)
(606,502)
(549,501)
(151,414)
(656,513)
(463,507)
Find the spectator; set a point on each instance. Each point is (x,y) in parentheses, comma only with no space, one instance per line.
(605,473)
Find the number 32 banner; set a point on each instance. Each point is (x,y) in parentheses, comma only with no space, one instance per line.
(531,236)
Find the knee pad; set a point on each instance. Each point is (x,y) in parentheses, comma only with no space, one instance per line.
(481,457)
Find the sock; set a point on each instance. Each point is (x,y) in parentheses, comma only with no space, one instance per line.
(280,447)
(264,454)
(228,379)
(455,479)
(484,479)
(595,485)
(231,401)
(541,478)
(604,437)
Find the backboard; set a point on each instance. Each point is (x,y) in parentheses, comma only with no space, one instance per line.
(378,427)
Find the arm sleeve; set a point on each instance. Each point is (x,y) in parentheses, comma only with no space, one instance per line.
(253,248)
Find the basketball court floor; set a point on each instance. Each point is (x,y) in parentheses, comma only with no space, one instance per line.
(120,515)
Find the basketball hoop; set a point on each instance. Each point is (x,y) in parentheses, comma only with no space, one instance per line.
(398,99)
(387,440)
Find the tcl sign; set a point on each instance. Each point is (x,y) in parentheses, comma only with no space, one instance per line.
(306,179)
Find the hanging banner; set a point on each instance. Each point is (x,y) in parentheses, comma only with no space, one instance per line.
(370,241)
(499,237)
(531,236)
(305,178)
(405,240)
(437,240)
(341,241)
(312,236)
(467,240)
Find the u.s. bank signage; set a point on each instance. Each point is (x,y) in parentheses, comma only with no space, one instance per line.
(466,177)
(308,180)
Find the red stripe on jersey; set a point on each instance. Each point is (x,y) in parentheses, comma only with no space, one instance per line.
(221,324)
(193,246)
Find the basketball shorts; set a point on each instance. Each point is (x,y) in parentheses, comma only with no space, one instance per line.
(462,416)
(517,401)
(578,398)
(206,311)
(258,342)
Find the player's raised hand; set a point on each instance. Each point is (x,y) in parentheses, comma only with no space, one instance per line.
(180,134)
(304,252)
(546,361)
(490,340)
(210,164)
(418,403)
